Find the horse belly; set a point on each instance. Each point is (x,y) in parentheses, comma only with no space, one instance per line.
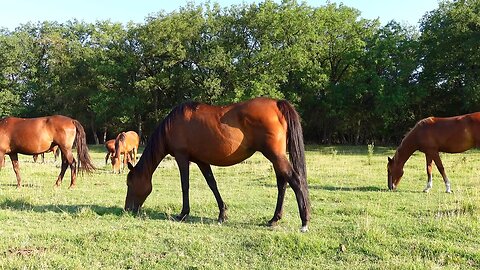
(224,147)
(458,144)
(30,140)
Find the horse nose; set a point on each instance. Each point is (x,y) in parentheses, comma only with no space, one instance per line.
(391,186)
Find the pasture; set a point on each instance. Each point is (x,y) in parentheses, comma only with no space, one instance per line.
(356,223)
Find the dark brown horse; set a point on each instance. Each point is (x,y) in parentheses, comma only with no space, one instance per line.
(431,136)
(30,136)
(126,144)
(224,136)
(110,146)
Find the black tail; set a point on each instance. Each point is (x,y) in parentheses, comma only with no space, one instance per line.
(295,145)
(84,160)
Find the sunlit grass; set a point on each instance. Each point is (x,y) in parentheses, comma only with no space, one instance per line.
(356,223)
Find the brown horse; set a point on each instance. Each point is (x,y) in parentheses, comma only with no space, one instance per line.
(110,146)
(224,136)
(38,135)
(126,144)
(431,136)
(54,149)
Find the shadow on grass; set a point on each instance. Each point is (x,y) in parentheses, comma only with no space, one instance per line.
(22,205)
(333,188)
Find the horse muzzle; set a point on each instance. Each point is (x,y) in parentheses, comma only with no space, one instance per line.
(391,186)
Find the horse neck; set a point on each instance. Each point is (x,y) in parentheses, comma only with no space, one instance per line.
(153,154)
(406,149)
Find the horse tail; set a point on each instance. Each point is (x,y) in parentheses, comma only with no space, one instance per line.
(295,145)
(84,160)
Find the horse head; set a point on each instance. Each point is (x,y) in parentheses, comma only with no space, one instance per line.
(115,163)
(138,189)
(395,173)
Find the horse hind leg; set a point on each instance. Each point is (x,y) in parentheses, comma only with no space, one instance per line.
(281,187)
(441,169)
(62,171)
(68,160)
(285,173)
(212,184)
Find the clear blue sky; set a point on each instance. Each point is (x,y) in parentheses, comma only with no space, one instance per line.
(16,12)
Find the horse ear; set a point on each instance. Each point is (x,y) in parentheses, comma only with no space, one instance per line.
(130,166)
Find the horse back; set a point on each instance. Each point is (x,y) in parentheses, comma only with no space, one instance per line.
(36,135)
(450,134)
(226,135)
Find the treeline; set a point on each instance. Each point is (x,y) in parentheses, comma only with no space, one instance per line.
(352,80)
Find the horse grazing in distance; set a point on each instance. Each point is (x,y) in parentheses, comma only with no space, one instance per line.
(31,136)
(431,136)
(223,136)
(54,149)
(126,144)
(110,146)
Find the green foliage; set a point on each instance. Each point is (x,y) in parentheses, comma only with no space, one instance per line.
(352,80)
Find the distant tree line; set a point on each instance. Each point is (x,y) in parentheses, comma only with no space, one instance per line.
(352,80)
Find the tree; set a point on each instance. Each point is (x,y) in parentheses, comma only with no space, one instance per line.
(450,58)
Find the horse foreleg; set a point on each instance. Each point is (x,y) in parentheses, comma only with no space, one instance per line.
(183,166)
(106,158)
(441,169)
(212,184)
(135,151)
(16,168)
(429,161)
(2,160)
(125,159)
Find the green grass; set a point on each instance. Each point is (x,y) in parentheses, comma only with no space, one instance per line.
(356,223)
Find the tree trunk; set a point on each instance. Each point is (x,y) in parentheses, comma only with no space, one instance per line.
(104,134)
(140,131)
(94,132)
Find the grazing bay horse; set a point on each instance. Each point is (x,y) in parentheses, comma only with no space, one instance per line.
(110,146)
(223,136)
(33,136)
(431,136)
(126,144)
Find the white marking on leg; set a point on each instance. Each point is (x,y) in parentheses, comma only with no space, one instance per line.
(447,185)
(429,184)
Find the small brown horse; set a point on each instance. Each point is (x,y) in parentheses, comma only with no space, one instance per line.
(54,149)
(30,136)
(224,136)
(126,144)
(431,136)
(110,146)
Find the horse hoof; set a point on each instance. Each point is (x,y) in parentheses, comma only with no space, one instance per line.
(272,223)
(426,190)
(181,218)
(221,220)
(449,191)
(304,229)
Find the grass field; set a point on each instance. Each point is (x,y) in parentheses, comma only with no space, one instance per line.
(356,223)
